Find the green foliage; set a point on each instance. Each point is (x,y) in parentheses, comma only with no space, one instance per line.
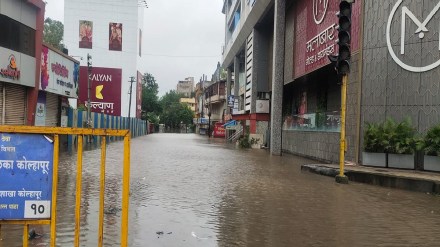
(175,114)
(390,137)
(244,142)
(53,33)
(374,138)
(431,141)
(401,137)
(150,100)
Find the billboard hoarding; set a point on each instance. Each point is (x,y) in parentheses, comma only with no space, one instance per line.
(105,91)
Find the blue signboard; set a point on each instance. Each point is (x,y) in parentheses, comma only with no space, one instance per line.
(26,162)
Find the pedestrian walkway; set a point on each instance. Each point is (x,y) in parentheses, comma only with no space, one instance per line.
(394,178)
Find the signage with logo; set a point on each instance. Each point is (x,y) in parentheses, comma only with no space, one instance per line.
(17,68)
(412,28)
(230,100)
(59,75)
(11,71)
(316,33)
(105,92)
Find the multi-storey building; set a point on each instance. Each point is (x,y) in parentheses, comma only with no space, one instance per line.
(277,50)
(186,87)
(111,33)
(20,59)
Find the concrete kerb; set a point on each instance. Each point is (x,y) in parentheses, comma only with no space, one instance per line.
(391,178)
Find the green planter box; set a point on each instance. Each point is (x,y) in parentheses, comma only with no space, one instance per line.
(374,159)
(431,163)
(401,161)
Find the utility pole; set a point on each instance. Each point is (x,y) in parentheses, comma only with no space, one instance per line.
(129,103)
(89,104)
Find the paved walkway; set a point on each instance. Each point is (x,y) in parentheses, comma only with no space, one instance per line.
(388,177)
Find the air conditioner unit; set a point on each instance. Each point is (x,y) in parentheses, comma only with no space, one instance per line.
(262,106)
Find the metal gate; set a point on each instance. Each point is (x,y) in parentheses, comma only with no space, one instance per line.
(80,132)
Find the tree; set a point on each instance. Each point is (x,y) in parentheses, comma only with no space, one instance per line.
(174,113)
(150,100)
(53,33)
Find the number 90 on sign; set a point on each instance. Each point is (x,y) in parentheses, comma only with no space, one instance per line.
(37,209)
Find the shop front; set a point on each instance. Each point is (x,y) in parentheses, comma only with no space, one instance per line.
(312,97)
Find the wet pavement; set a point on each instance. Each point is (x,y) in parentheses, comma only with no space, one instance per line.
(187,190)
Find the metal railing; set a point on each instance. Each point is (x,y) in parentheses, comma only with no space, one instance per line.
(237,134)
(51,220)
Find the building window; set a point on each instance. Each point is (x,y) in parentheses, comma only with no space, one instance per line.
(17,36)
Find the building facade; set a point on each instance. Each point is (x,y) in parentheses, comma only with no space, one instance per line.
(186,87)
(279,48)
(20,58)
(111,33)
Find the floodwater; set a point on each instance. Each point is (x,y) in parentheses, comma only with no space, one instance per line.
(188,190)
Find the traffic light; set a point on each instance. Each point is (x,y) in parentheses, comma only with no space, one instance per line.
(342,60)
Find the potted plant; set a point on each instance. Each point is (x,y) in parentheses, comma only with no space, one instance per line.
(431,144)
(401,138)
(375,144)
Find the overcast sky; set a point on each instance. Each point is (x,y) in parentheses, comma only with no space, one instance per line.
(182,38)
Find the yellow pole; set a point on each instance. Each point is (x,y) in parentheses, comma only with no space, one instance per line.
(53,214)
(342,178)
(102,190)
(125,191)
(78,189)
(25,235)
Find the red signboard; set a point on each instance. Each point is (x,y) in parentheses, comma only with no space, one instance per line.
(219,130)
(139,95)
(105,91)
(316,33)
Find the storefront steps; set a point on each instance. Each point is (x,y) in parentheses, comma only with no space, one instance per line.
(427,182)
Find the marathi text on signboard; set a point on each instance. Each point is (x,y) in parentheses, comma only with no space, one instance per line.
(26,165)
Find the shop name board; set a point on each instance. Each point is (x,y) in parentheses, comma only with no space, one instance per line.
(421,30)
(319,10)
(101,77)
(323,43)
(60,70)
(12,71)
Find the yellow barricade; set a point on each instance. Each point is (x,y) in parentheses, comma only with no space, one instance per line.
(80,132)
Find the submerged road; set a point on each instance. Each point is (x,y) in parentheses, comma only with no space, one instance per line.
(188,190)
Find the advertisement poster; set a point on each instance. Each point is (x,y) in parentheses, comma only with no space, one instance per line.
(26,161)
(219,130)
(59,75)
(85,34)
(105,91)
(40,116)
(139,95)
(115,36)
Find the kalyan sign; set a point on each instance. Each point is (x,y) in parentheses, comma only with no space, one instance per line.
(105,92)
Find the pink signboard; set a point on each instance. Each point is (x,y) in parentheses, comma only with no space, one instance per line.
(105,91)
(139,95)
(316,34)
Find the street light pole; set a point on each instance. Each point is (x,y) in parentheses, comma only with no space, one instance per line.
(89,104)
(129,103)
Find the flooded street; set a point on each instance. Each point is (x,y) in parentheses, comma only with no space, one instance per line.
(187,190)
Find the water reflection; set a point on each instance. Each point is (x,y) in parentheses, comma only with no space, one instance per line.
(187,190)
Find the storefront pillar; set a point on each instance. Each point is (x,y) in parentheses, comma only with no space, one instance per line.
(236,76)
(277,77)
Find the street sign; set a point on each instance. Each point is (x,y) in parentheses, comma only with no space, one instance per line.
(26,166)
(230,100)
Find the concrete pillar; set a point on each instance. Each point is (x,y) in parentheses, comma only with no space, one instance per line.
(277,77)
(228,81)
(236,76)
(255,57)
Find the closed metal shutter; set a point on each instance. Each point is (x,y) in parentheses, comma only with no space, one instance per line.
(52,109)
(15,104)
